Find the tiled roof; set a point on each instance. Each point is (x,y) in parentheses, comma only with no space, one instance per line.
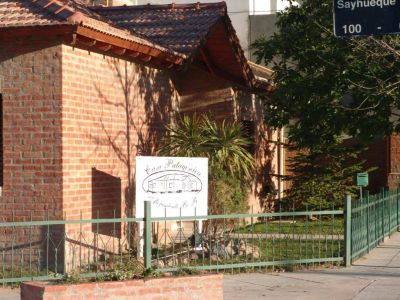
(177,27)
(173,32)
(18,13)
(25,13)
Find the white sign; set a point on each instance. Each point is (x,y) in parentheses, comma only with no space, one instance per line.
(174,185)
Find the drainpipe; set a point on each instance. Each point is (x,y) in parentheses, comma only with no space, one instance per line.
(281,162)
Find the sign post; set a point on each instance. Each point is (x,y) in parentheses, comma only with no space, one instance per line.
(366,17)
(362,181)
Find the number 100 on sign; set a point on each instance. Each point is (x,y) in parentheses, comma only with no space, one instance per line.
(352,29)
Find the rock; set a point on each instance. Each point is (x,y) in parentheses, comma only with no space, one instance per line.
(231,249)
(172,262)
(158,264)
(219,250)
(255,252)
(249,250)
(184,261)
(194,256)
(215,258)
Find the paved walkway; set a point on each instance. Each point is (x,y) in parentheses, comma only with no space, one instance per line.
(9,294)
(374,277)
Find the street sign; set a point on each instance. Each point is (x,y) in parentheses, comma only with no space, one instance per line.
(366,17)
(362,179)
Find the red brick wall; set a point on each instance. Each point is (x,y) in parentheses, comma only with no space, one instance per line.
(30,81)
(394,162)
(377,156)
(170,288)
(111,110)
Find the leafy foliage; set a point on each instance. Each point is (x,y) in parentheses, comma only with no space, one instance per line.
(322,179)
(328,88)
(325,86)
(230,164)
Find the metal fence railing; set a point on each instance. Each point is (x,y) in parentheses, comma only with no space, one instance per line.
(373,218)
(51,249)
(46,250)
(228,242)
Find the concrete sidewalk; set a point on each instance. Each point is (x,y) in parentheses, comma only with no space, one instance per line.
(9,294)
(374,277)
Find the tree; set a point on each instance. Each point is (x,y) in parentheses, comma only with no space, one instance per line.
(327,87)
(322,179)
(230,164)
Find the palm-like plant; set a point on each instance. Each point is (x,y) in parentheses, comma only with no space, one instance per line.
(230,164)
(226,146)
(222,142)
(186,139)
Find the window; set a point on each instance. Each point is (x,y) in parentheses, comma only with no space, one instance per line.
(249,132)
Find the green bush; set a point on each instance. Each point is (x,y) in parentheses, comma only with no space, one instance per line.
(230,164)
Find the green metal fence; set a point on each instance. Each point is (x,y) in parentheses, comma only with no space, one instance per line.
(46,250)
(373,218)
(229,242)
(50,249)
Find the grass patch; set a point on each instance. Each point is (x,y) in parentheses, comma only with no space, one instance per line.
(322,227)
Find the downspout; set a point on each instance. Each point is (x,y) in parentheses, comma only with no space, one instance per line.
(281,162)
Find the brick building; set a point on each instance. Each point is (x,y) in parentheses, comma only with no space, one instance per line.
(85,89)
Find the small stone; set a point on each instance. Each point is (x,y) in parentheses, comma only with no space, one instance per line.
(214,258)
(158,264)
(194,256)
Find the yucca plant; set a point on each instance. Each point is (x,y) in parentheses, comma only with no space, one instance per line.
(230,164)
(185,139)
(226,147)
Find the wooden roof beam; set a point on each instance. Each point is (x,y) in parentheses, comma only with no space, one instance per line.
(132,46)
(49,3)
(105,48)
(207,60)
(85,41)
(120,51)
(133,54)
(145,58)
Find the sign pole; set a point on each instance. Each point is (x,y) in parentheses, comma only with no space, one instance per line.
(147,239)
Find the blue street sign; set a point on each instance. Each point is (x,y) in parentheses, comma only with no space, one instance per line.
(366,17)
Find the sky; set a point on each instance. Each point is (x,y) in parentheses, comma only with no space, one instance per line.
(264,6)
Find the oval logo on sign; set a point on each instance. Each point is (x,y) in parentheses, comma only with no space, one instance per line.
(172,182)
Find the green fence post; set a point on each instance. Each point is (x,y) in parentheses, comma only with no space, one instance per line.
(366,196)
(347,228)
(147,235)
(382,196)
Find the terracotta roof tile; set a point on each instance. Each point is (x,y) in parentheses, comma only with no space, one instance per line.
(17,13)
(25,13)
(175,29)
(178,27)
